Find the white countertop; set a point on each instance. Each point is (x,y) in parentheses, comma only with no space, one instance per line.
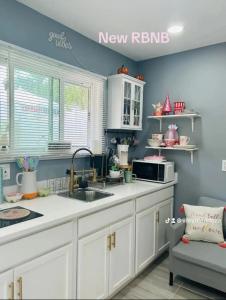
(57,209)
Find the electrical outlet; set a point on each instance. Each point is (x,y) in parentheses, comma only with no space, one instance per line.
(224,165)
(6,171)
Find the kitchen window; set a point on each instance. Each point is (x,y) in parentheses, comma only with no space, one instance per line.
(42,102)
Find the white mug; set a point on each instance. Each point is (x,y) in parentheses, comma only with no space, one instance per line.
(28,184)
(184,140)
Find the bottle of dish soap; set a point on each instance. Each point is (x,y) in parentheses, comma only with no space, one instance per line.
(1,186)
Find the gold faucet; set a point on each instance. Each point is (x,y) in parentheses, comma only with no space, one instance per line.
(73,183)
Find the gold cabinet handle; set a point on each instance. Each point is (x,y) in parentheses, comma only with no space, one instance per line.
(113,242)
(11,288)
(20,285)
(109,242)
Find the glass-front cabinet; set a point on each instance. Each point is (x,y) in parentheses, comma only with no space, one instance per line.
(125,102)
(126,120)
(137,105)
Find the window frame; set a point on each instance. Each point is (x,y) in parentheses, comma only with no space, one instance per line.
(61,68)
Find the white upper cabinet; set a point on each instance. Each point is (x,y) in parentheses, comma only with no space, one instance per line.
(125,102)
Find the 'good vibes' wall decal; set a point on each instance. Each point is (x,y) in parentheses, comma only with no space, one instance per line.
(60,40)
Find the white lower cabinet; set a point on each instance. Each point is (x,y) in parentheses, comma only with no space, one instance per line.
(164,211)
(49,276)
(105,260)
(46,277)
(151,231)
(93,265)
(121,255)
(6,285)
(145,238)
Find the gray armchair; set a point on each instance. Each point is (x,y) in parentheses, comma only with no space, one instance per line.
(199,261)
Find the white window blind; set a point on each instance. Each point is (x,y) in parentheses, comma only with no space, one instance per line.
(43,101)
(35,111)
(76,114)
(4,104)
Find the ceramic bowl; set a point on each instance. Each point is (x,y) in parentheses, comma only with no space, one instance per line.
(154,143)
(13,197)
(115,174)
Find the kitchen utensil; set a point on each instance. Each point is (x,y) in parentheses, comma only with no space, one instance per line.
(27,163)
(154,143)
(28,184)
(129,177)
(184,140)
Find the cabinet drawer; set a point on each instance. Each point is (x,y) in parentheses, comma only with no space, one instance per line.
(27,248)
(154,198)
(104,218)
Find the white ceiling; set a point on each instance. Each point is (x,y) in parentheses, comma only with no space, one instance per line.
(204,21)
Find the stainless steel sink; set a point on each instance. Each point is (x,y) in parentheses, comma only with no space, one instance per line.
(87,194)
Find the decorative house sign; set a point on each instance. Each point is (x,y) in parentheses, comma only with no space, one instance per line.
(60,40)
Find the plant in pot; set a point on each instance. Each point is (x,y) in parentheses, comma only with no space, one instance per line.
(115,172)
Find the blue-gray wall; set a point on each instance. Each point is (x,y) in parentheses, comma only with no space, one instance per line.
(199,78)
(24,27)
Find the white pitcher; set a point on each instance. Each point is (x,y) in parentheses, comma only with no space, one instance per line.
(28,184)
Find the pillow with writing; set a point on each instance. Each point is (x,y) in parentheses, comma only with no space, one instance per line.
(204,223)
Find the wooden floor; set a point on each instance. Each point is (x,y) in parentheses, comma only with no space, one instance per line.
(153,284)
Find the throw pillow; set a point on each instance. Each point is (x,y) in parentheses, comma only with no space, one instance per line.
(204,223)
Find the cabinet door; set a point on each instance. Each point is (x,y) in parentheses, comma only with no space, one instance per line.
(145,238)
(127,105)
(137,106)
(6,285)
(93,258)
(47,277)
(122,254)
(164,212)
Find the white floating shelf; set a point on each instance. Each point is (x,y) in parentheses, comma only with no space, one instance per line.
(180,116)
(191,150)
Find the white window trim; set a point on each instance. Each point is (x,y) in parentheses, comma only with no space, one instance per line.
(7,49)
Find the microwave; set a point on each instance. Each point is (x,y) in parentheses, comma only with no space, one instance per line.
(162,172)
